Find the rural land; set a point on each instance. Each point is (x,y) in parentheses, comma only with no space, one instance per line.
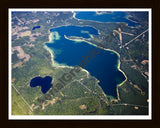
(83,95)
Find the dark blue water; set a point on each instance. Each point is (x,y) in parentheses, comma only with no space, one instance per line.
(103,66)
(75,31)
(35,27)
(106,17)
(45,83)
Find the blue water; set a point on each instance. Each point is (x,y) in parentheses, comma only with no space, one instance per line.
(75,31)
(106,17)
(45,83)
(103,66)
(35,27)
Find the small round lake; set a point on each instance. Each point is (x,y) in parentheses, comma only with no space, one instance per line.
(45,83)
(36,27)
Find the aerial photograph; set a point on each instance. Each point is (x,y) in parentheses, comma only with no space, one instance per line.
(78,62)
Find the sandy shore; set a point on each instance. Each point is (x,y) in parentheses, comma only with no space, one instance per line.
(50,38)
(51,53)
(71,67)
(55,64)
(74,16)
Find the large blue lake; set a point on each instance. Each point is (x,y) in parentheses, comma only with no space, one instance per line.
(103,66)
(105,17)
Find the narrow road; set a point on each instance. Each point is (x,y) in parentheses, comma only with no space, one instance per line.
(125,104)
(135,38)
(22,97)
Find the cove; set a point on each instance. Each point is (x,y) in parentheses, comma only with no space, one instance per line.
(105,17)
(45,83)
(103,66)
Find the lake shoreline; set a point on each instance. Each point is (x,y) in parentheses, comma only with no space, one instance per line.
(118,65)
(53,62)
(56,65)
(126,17)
